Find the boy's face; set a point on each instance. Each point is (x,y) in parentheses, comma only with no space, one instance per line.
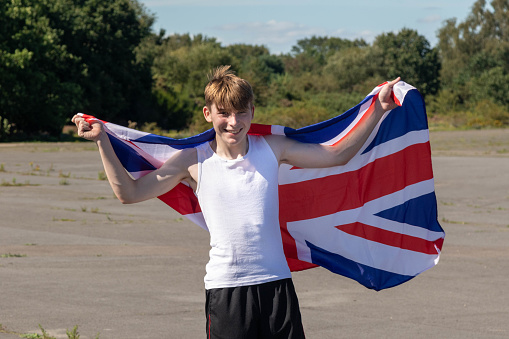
(230,126)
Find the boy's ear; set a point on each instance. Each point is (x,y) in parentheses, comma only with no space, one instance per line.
(207,114)
(252,111)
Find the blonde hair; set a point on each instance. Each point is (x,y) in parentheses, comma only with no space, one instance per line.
(227,90)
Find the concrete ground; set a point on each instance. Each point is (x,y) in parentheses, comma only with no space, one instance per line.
(71,254)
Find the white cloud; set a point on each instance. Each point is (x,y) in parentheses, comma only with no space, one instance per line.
(270,32)
(430,19)
(367,35)
(279,36)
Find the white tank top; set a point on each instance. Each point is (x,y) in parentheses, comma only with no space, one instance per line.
(239,201)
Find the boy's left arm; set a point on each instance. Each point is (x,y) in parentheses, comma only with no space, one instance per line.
(306,155)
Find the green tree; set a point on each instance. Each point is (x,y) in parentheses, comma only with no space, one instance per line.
(409,55)
(349,69)
(309,55)
(36,73)
(180,67)
(60,56)
(320,48)
(475,54)
(104,35)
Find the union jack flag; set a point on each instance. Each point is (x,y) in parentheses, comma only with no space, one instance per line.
(373,220)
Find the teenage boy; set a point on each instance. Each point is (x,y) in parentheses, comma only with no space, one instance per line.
(249,291)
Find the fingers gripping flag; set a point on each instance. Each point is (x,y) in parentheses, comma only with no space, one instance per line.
(373,220)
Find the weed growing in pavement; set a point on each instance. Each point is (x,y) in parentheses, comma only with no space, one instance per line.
(63,175)
(452,221)
(102,175)
(10,255)
(64,182)
(14,183)
(63,219)
(35,168)
(71,334)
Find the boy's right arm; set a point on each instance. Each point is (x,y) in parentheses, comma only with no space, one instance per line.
(154,184)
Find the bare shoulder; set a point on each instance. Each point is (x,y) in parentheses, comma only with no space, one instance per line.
(180,162)
(188,156)
(189,162)
(278,143)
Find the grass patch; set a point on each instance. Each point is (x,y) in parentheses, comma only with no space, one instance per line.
(98,198)
(64,182)
(11,255)
(63,175)
(63,219)
(102,176)
(35,168)
(14,183)
(454,221)
(71,334)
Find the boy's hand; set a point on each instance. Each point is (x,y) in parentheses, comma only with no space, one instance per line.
(88,131)
(385,95)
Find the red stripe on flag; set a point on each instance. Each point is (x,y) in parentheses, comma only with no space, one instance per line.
(331,194)
(296,265)
(181,199)
(364,117)
(369,111)
(390,238)
(259,129)
(328,195)
(393,96)
(90,118)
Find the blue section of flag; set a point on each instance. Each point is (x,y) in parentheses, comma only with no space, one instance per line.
(370,277)
(421,212)
(402,120)
(130,159)
(325,130)
(179,143)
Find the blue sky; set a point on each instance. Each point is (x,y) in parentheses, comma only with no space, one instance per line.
(278,24)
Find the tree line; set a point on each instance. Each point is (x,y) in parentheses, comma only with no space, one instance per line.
(58,57)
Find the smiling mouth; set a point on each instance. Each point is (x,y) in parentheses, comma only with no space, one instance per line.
(233,131)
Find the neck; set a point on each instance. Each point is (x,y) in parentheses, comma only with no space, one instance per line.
(228,151)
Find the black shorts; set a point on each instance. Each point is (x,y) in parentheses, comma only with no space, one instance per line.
(269,310)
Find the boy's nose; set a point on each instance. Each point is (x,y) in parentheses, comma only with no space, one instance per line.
(233,119)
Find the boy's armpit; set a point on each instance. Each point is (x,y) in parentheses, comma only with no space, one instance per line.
(277,143)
